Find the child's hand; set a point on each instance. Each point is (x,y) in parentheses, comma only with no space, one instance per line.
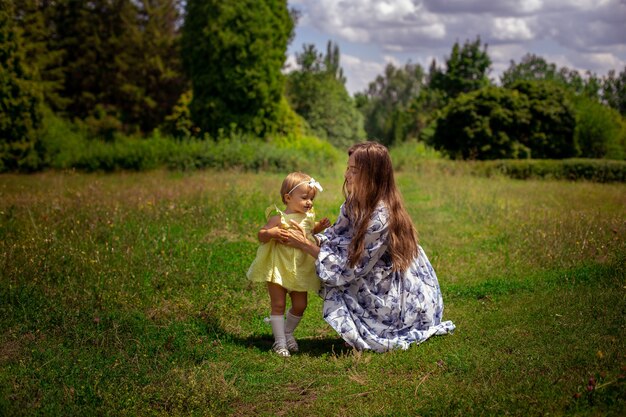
(321,225)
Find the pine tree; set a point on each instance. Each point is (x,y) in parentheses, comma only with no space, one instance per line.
(34,17)
(466,70)
(154,81)
(20,107)
(91,35)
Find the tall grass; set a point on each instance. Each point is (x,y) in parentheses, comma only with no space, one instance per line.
(125,294)
(68,146)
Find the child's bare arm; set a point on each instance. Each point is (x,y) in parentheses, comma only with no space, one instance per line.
(321,225)
(272,230)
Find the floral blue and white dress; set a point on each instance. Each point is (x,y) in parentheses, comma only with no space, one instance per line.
(371,306)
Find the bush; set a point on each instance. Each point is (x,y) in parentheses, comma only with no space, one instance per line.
(409,155)
(530,119)
(484,124)
(67,146)
(600,130)
(597,170)
(278,154)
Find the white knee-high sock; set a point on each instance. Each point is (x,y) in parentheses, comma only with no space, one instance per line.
(291,323)
(278,329)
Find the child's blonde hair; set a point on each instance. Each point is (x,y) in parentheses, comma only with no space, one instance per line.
(291,181)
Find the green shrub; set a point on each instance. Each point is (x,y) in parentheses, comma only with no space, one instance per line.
(69,146)
(62,142)
(530,119)
(575,169)
(277,154)
(597,170)
(410,154)
(600,130)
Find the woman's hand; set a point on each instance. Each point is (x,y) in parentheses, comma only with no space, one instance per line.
(297,239)
(281,235)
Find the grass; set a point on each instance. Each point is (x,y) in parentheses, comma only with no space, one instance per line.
(125,294)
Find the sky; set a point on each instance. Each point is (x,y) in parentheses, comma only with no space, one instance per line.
(585,35)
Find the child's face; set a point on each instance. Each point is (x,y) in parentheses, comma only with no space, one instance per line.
(301,199)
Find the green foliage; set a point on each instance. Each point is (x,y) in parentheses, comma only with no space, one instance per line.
(596,170)
(291,123)
(532,118)
(394,104)
(94,38)
(62,142)
(614,90)
(600,130)
(179,123)
(536,68)
(484,124)
(153,79)
(409,155)
(317,93)
(21,103)
(467,70)
(233,53)
(119,66)
(35,18)
(280,154)
(71,146)
(550,131)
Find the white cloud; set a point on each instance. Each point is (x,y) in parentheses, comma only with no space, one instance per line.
(511,28)
(579,34)
(290,64)
(598,62)
(359,73)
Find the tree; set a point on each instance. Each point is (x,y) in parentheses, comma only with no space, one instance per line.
(35,18)
(484,124)
(154,80)
(530,119)
(550,133)
(385,105)
(467,70)
(531,68)
(317,92)
(20,106)
(536,68)
(614,91)
(95,39)
(120,66)
(600,130)
(233,54)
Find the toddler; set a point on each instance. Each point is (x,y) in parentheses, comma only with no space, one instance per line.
(285,269)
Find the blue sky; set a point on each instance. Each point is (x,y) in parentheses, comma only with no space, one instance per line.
(586,35)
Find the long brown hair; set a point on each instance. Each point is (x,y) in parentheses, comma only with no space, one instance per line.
(375,183)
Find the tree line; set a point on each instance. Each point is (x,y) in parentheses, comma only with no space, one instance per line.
(208,69)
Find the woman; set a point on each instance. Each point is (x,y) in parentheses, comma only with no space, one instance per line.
(380,291)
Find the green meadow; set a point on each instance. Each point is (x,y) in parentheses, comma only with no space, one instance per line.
(125,294)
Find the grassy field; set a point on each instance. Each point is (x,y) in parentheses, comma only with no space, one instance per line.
(125,295)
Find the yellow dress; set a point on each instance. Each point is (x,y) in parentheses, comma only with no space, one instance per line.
(288,267)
